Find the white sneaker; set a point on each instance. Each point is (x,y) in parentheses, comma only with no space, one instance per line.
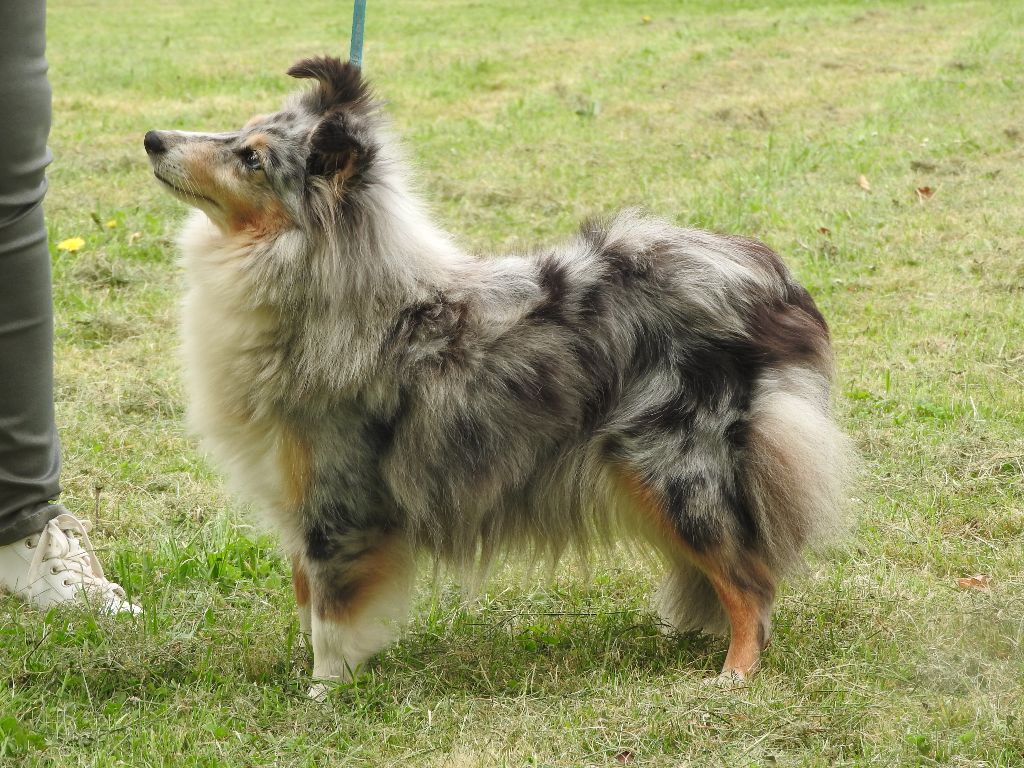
(57,565)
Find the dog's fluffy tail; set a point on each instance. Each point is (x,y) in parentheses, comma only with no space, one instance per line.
(796,468)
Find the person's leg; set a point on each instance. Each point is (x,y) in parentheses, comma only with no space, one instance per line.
(29,448)
(45,554)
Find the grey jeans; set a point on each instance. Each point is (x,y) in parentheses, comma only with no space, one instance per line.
(29,447)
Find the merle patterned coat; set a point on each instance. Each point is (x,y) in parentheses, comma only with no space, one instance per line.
(378,392)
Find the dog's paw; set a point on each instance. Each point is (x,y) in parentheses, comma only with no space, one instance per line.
(727,679)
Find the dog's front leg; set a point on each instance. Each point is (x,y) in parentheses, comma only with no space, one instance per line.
(360,589)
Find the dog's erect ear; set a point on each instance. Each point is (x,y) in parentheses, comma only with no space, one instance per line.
(334,151)
(341,83)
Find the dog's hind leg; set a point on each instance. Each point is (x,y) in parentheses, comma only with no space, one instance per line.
(360,584)
(746,590)
(300,583)
(706,585)
(711,572)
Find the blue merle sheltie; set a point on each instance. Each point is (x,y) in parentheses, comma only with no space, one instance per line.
(378,392)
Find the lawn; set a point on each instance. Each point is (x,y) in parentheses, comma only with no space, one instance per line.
(878,146)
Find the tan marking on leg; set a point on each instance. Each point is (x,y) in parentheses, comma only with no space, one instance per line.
(359,605)
(747,613)
(296,460)
(743,583)
(300,581)
(364,579)
(648,511)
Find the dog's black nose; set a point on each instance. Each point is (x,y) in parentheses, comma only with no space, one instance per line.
(153,143)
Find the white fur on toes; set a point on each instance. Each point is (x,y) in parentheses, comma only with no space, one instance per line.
(339,647)
(728,679)
(337,652)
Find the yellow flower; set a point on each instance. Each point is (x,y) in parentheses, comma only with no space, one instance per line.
(71,244)
(111,224)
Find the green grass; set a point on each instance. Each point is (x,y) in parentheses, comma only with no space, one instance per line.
(523,118)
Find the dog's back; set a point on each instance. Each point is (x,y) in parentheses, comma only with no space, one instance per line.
(672,379)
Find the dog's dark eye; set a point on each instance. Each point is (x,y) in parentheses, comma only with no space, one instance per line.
(250,159)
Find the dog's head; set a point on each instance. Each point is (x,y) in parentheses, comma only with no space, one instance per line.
(278,170)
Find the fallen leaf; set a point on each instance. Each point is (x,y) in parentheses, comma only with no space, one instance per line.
(72,244)
(864,183)
(923,193)
(625,757)
(979,582)
(824,231)
(111,223)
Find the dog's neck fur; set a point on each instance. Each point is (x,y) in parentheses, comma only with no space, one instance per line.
(389,248)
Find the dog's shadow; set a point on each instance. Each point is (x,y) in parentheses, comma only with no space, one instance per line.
(518,647)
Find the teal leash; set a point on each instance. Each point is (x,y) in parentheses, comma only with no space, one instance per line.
(355,51)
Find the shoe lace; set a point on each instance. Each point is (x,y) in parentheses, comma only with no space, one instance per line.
(64,547)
